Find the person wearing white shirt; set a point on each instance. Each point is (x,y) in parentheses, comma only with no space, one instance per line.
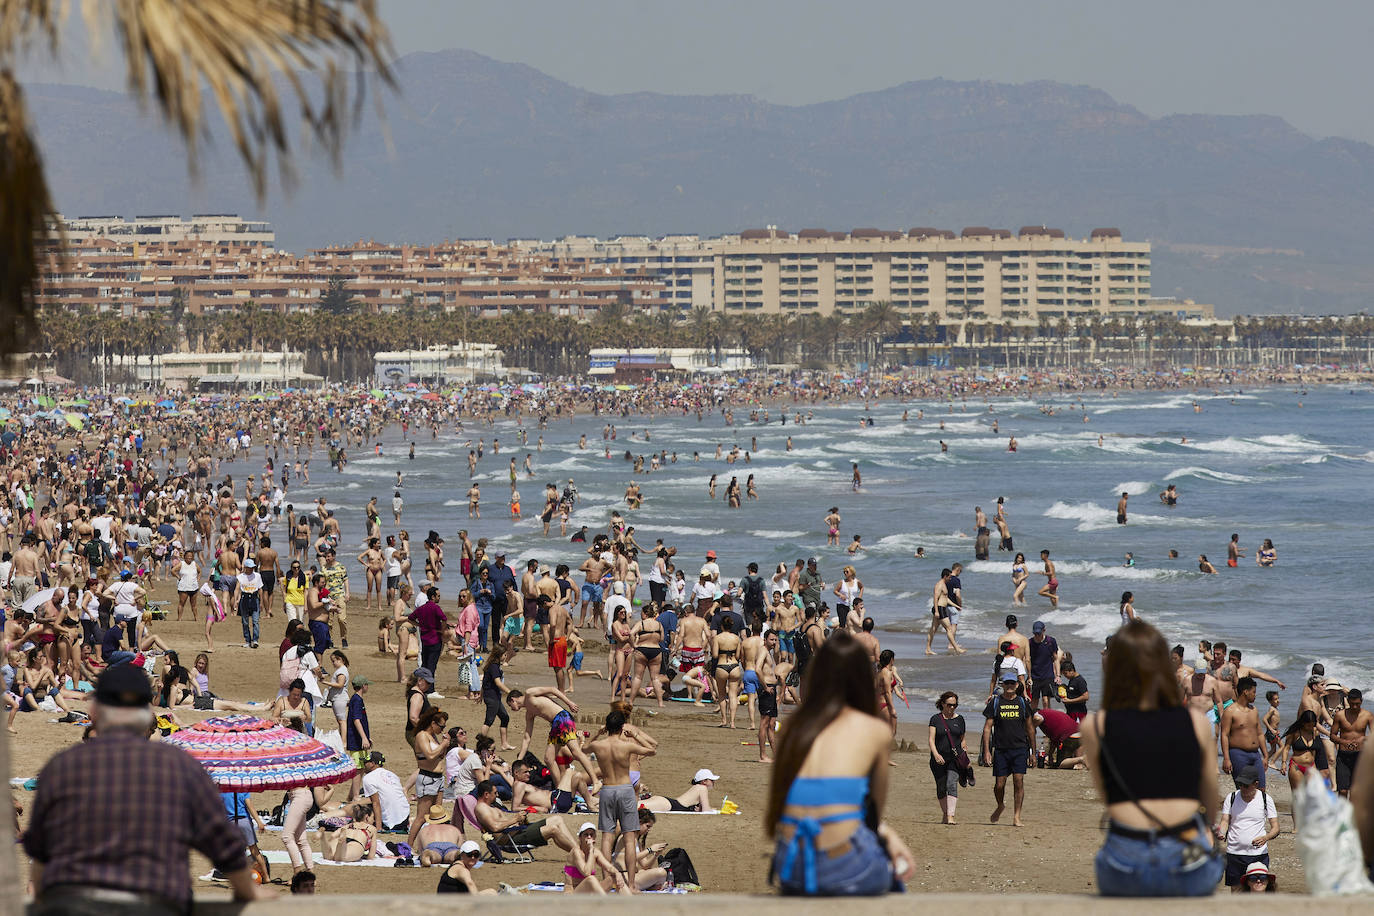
(247,600)
(1249,820)
(390,809)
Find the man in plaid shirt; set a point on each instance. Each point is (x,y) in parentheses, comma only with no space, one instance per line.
(115,818)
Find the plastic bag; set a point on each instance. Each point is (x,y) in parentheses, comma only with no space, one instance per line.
(1327,840)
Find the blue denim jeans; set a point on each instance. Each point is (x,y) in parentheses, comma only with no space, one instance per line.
(250,624)
(863,871)
(1130,867)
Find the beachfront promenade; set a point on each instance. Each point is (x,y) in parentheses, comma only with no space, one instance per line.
(737,905)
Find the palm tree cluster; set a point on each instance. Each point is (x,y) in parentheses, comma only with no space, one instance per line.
(340,340)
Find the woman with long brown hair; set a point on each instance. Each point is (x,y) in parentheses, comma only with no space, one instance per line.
(1154,762)
(830,784)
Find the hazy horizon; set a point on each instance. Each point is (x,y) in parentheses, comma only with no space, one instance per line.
(1172,58)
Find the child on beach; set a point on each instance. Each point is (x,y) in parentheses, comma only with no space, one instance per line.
(575,644)
(1271,725)
(384,636)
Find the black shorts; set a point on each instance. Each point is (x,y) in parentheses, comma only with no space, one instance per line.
(1237,864)
(768,703)
(1009,761)
(1044,687)
(1345,769)
(269,582)
(392,582)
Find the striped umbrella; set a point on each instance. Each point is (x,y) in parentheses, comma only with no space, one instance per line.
(248,754)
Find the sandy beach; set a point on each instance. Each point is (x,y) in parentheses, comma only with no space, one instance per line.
(1052,853)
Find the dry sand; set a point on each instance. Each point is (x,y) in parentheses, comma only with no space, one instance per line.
(1052,853)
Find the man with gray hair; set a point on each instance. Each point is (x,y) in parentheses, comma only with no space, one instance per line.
(105,839)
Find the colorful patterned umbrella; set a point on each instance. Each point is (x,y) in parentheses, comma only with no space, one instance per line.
(248,754)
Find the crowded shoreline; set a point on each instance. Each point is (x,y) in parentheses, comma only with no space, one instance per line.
(240,437)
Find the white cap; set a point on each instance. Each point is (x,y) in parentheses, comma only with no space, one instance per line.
(618,588)
(704,774)
(249,563)
(586,825)
(470,846)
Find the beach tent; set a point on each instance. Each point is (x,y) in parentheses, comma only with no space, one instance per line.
(248,754)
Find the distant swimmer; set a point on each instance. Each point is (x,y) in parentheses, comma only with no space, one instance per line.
(904,413)
(1266,555)
(920,553)
(832,524)
(1233,552)
(1183,441)
(1099,441)
(1121,508)
(789,443)
(1205,565)
(854,545)
(857,479)
(1173,554)
(1127,607)
(1003,526)
(943,447)
(994,426)
(1129,561)
(1197,408)
(1051,588)
(1170,496)
(1011,444)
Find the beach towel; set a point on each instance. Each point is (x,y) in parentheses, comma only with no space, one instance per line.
(279,857)
(557,888)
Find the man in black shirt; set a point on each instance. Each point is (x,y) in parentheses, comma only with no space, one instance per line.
(1075,692)
(1008,736)
(1044,666)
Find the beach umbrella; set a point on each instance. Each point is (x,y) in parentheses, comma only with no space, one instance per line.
(76,421)
(166,402)
(34,601)
(248,754)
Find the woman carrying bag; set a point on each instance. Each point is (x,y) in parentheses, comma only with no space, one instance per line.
(949,762)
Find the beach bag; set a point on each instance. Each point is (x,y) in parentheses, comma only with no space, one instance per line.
(290,668)
(679,866)
(1329,845)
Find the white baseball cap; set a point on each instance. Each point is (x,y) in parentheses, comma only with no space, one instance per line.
(249,563)
(586,825)
(470,847)
(704,774)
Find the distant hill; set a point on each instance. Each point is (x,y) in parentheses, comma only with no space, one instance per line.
(1246,212)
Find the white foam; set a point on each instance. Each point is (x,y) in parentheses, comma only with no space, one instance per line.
(1134,487)
(1072,568)
(684,530)
(1201,473)
(769,535)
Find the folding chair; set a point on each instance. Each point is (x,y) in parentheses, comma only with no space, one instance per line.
(500,847)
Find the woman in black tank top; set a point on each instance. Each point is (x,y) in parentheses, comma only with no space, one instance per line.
(418,688)
(1154,762)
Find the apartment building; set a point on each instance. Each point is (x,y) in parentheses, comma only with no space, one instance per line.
(979,273)
(207,227)
(146,274)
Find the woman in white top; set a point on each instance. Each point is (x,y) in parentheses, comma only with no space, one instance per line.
(126,594)
(188,582)
(846,591)
(305,665)
(336,696)
(779,581)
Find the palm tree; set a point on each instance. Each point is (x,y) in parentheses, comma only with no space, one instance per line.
(173,53)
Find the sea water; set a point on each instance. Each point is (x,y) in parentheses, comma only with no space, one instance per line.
(1292,465)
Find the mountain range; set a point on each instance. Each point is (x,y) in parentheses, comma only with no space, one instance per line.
(1244,211)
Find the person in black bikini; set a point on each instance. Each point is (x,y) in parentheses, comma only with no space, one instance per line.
(647,638)
(457,878)
(696,799)
(728,676)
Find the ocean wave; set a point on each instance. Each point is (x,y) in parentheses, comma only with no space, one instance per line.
(770,535)
(1261,446)
(1092,517)
(1202,473)
(1134,487)
(1082,568)
(685,530)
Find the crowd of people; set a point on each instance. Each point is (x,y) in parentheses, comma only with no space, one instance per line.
(99,525)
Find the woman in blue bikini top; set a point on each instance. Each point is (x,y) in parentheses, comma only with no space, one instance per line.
(830,784)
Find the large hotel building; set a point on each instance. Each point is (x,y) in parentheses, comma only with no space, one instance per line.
(979,273)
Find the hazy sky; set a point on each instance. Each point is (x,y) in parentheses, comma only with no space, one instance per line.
(1307,62)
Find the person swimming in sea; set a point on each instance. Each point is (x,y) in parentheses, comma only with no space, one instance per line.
(1170,496)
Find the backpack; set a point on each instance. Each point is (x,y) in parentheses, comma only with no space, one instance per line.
(679,866)
(95,551)
(801,647)
(290,667)
(754,599)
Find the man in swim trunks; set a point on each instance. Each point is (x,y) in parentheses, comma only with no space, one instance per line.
(558,800)
(1233,552)
(559,624)
(1051,589)
(517,827)
(1121,508)
(438,840)
(543,703)
(1351,726)
(1240,733)
(693,633)
(592,595)
(618,803)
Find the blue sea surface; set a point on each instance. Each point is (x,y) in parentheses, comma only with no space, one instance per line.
(1282,463)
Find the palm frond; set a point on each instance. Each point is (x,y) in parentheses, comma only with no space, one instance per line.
(178,51)
(24,210)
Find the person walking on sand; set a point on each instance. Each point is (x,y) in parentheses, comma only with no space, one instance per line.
(618,802)
(1008,739)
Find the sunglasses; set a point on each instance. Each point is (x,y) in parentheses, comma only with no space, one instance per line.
(951,705)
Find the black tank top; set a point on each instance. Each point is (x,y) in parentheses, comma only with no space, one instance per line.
(1155,752)
(424,706)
